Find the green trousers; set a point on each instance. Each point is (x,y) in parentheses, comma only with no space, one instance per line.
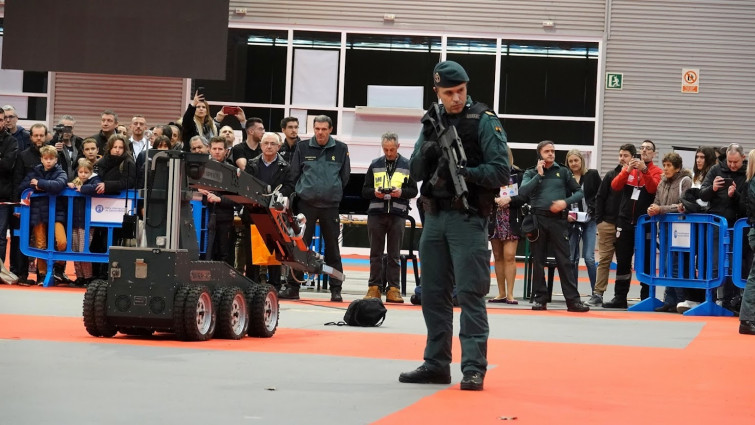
(454,249)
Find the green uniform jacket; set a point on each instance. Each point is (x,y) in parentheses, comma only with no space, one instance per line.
(320,172)
(492,172)
(557,183)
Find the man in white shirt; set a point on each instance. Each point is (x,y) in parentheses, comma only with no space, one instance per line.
(138,141)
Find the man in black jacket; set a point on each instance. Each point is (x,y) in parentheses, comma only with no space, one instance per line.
(320,170)
(25,162)
(222,209)
(723,187)
(290,129)
(8,153)
(272,169)
(389,188)
(606,211)
(108,123)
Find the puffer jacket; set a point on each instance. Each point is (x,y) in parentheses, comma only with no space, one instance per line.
(51,182)
(670,191)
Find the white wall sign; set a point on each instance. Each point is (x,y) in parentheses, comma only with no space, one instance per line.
(690,80)
(108,210)
(315,77)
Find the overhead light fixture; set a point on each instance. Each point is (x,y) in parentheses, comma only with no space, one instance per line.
(549,24)
(389,17)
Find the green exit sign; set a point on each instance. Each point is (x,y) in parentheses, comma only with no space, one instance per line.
(614,80)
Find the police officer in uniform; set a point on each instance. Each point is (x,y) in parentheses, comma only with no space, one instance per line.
(454,242)
(551,188)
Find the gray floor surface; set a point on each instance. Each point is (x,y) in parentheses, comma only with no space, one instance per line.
(47,382)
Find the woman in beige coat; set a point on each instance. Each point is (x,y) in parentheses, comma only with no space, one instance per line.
(674,182)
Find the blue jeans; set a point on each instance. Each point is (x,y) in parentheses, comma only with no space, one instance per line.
(587,236)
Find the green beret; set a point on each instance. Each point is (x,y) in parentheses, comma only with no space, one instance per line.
(449,74)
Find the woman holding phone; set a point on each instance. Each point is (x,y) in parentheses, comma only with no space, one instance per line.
(197,121)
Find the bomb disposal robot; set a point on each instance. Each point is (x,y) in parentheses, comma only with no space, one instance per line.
(166,288)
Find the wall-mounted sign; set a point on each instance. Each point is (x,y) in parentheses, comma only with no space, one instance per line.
(614,80)
(690,80)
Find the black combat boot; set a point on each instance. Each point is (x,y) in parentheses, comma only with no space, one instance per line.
(335,294)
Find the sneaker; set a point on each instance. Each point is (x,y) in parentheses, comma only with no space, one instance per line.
(61,277)
(40,279)
(596,300)
(686,305)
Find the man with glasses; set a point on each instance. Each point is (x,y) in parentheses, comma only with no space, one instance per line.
(8,153)
(723,188)
(637,181)
(271,168)
(11,124)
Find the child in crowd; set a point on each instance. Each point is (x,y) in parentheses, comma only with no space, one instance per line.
(86,183)
(50,178)
(90,150)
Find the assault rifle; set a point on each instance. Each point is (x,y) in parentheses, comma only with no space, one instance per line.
(453,152)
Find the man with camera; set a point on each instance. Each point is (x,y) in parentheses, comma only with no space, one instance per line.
(723,188)
(389,188)
(637,182)
(67,144)
(551,188)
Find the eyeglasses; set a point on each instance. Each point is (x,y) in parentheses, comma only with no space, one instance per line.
(646,148)
(10,117)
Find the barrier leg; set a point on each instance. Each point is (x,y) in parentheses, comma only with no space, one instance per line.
(709,307)
(648,304)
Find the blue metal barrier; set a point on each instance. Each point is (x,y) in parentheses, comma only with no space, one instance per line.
(739,276)
(109,210)
(685,244)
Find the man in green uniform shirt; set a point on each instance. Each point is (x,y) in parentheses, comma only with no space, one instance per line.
(551,188)
(454,242)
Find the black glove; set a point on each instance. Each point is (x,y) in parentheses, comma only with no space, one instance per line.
(443,168)
(430,151)
(463,172)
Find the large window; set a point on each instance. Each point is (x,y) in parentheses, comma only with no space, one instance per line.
(388,60)
(478,58)
(541,89)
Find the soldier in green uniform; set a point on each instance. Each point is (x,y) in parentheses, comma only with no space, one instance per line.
(454,242)
(551,188)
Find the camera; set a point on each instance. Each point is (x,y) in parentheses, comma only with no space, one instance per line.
(638,156)
(63,129)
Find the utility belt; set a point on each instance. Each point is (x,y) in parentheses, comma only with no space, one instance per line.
(547,213)
(433,205)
